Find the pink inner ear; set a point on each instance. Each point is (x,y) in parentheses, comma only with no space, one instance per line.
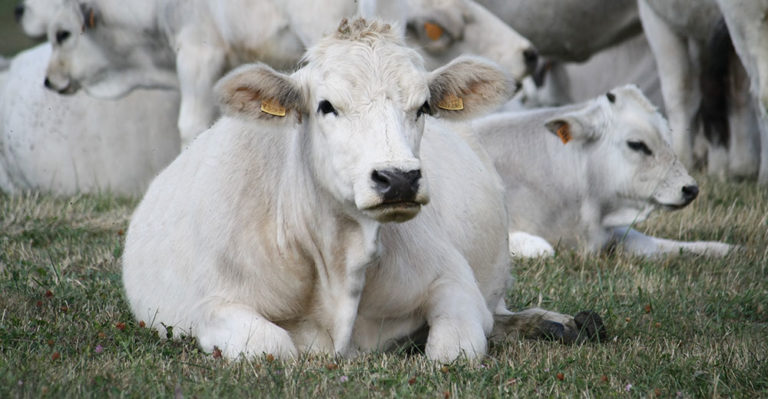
(564,132)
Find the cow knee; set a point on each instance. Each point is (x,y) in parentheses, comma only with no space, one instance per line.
(451,339)
(239,331)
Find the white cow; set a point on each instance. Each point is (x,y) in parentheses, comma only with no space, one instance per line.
(746,24)
(66,145)
(35,15)
(616,168)
(569,30)
(276,231)
(109,47)
(681,35)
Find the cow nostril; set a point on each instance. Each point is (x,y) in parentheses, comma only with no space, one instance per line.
(395,185)
(690,192)
(531,57)
(47,83)
(18,12)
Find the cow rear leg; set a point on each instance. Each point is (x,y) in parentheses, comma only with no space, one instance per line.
(544,324)
(238,330)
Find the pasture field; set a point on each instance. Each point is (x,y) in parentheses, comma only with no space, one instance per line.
(677,326)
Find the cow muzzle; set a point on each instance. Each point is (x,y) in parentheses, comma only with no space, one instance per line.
(400,194)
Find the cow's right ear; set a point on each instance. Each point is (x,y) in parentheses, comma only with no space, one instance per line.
(257,91)
(581,125)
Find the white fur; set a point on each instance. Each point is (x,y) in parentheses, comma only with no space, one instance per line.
(576,195)
(262,238)
(524,245)
(748,29)
(678,32)
(70,144)
(191,43)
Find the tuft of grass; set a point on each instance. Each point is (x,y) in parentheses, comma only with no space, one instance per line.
(678,326)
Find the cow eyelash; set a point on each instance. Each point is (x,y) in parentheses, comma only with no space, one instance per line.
(424,109)
(639,146)
(326,108)
(62,35)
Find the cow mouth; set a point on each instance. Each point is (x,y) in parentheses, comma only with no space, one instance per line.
(400,211)
(69,89)
(675,207)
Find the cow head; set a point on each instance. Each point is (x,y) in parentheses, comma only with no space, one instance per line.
(446,29)
(106,59)
(362,99)
(35,15)
(631,162)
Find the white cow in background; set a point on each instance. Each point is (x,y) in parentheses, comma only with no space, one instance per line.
(569,30)
(277,230)
(681,34)
(628,62)
(65,145)
(616,168)
(108,48)
(746,22)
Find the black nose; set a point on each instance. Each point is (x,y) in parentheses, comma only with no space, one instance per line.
(396,185)
(48,84)
(18,12)
(690,192)
(531,57)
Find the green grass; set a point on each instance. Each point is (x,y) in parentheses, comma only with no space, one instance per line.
(678,326)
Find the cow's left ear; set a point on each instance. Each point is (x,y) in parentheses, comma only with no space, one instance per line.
(580,125)
(259,92)
(468,87)
(90,16)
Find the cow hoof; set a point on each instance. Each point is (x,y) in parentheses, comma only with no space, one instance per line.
(590,326)
(551,330)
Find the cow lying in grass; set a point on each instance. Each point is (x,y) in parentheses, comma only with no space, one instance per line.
(278,230)
(67,145)
(616,168)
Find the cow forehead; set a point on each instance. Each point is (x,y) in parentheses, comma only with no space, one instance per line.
(353,73)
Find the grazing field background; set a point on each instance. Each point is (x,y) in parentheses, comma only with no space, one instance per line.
(677,326)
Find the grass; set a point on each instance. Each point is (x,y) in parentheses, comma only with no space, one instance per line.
(678,326)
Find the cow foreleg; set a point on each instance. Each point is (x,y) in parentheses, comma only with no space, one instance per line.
(637,243)
(679,80)
(458,319)
(238,329)
(198,64)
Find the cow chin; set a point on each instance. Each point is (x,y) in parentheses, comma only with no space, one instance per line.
(393,212)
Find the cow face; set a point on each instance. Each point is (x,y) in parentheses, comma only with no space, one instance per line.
(35,15)
(446,29)
(631,161)
(364,98)
(106,61)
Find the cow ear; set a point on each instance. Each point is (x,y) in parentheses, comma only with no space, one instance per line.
(468,87)
(259,92)
(581,125)
(90,16)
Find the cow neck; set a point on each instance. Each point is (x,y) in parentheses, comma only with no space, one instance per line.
(336,241)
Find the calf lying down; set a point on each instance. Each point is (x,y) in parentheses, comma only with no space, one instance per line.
(616,166)
(277,230)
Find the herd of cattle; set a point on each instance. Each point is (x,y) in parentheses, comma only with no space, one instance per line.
(382,185)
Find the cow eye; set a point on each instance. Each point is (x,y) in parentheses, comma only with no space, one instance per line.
(639,146)
(424,109)
(326,108)
(62,35)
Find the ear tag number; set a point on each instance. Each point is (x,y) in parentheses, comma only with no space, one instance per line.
(272,107)
(451,103)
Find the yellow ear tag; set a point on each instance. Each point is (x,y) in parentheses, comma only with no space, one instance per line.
(91,19)
(272,107)
(451,103)
(564,132)
(433,31)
